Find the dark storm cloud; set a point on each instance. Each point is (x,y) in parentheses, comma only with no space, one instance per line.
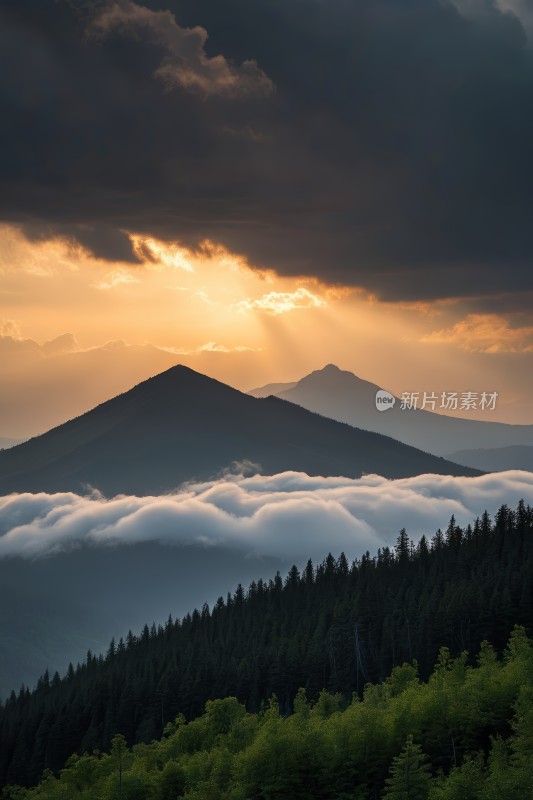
(369,142)
(185,64)
(516,306)
(102,241)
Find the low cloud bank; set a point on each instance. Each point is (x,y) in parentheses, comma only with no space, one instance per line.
(290,516)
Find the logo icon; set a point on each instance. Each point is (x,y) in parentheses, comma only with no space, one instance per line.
(384,400)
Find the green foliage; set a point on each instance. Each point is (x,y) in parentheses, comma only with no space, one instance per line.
(14,793)
(463,783)
(401,678)
(172,781)
(465,734)
(410,775)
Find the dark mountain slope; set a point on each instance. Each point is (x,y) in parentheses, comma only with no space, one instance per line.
(182,425)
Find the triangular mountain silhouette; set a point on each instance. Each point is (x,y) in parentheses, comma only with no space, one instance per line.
(181,425)
(343,396)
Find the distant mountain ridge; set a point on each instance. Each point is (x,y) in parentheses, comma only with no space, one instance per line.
(497,459)
(182,425)
(343,396)
(53,609)
(7,441)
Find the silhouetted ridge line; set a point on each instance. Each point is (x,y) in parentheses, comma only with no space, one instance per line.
(181,425)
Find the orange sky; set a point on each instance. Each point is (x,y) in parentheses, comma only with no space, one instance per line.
(213,312)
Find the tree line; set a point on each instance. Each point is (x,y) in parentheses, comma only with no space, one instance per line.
(465,734)
(335,626)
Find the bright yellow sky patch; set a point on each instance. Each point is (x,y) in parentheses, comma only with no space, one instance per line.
(249,327)
(485,333)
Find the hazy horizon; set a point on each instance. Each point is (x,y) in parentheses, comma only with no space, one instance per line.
(53,382)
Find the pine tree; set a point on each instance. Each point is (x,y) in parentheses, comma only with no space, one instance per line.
(409,775)
(402,546)
(118,752)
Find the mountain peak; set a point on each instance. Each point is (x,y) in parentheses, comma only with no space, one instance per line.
(182,375)
(181,425)
(329,379)
(330,371)
(181,384)
(330,375)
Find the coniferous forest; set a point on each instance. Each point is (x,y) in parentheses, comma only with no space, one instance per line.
(465,734)
(331,671)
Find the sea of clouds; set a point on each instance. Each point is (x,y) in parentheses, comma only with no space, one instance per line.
(290,516)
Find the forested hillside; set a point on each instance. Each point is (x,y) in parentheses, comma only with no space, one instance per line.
(335,627)
(466,734)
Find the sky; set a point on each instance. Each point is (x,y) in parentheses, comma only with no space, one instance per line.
(257,192)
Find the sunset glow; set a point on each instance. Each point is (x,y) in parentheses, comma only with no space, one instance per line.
(266,399)
(212,310)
